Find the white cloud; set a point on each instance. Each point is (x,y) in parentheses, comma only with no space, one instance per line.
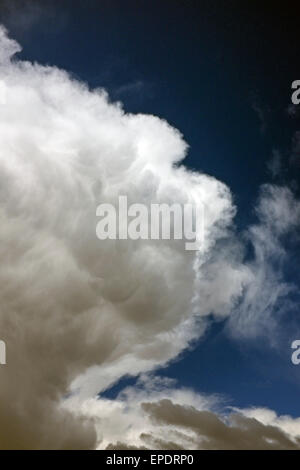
(156,415)
(70,303)
(80,313)
(265,295)
(9,47)
(288,424)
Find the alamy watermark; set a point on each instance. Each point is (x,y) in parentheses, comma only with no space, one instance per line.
(2,353)
(296,94)
(156,222)
(296,354)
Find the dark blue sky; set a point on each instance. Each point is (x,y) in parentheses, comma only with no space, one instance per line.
(221,73)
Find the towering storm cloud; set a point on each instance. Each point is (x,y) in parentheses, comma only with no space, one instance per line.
(77,313)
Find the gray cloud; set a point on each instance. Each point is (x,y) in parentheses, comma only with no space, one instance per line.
(210,432)
(157,415)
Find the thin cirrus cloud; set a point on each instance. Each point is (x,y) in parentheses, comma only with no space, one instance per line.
(77,314)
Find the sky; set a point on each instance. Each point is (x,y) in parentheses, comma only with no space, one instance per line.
(144,345)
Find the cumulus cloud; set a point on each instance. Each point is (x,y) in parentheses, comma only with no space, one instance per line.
(156,415)
(209,431)
(9,47)
(78,313)
(71,304)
